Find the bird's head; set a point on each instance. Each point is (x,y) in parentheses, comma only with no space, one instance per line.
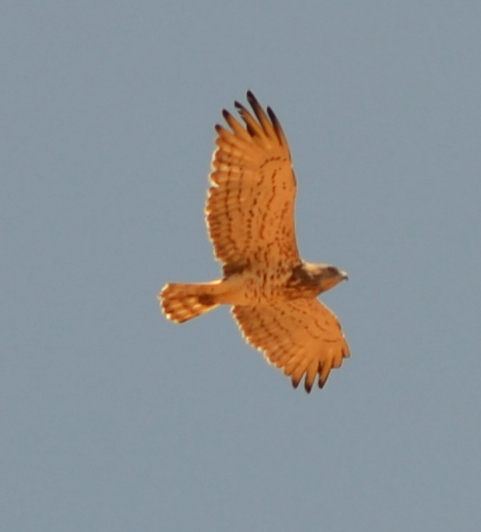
(327,276)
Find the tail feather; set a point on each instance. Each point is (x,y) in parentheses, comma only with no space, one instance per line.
(182,302)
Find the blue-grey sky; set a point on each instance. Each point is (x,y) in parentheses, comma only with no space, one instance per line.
(113,418)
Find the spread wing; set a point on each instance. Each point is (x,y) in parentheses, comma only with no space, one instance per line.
(301,336)
(250,205)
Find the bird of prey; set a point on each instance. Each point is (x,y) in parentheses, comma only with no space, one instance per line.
(250,219)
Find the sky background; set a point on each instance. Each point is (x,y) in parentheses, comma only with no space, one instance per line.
(113,419)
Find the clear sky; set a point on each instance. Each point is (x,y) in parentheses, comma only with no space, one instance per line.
(113,419)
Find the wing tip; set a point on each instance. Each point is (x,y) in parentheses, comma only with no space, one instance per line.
(322,381)
(253,101)
(239,106)
(307,385)
(277,126)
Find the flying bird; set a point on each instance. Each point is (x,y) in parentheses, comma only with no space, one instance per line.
(250,219)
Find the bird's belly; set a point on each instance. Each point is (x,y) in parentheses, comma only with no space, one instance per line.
(256,287)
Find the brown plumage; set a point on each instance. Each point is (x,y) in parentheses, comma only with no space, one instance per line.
(250,217)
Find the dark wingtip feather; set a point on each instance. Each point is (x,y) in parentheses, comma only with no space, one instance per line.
(307,386)
(251,98)
(274,118)
(295,383)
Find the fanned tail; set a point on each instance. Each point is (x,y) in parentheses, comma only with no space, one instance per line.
(182,302)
